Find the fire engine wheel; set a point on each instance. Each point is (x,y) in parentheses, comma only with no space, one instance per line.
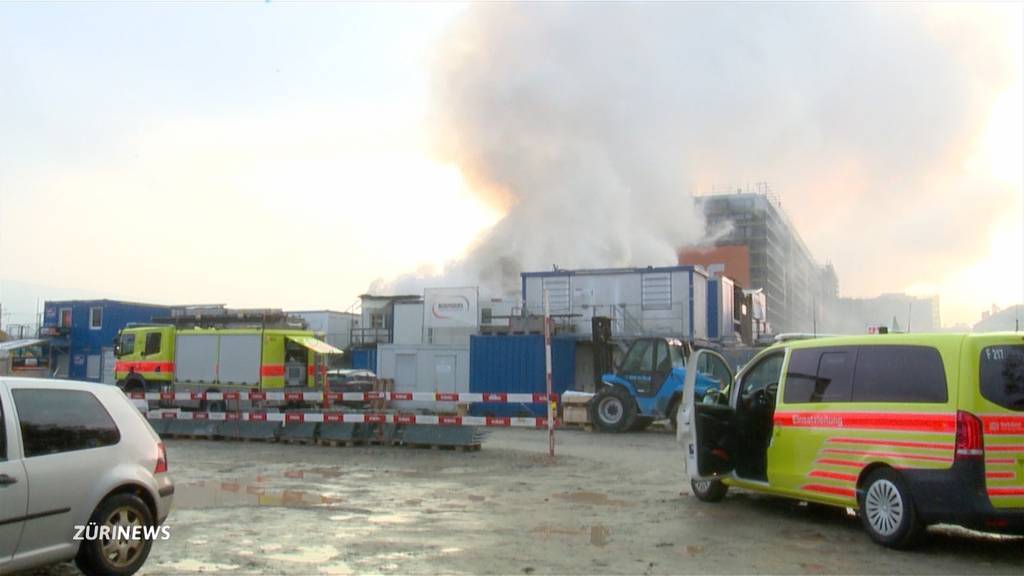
(708,490)
(887,510)
(613,410)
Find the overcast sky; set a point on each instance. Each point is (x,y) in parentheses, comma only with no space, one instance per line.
(274,155)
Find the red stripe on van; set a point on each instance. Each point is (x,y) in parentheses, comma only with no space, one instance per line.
(1000,461)
(833,475)
(999,475)
(1005,448)
(835,462)
(897,443)
(894,455)
(1015,491)
(905,422)
(837,490)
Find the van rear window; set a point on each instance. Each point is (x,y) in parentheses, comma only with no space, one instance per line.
(1002,376)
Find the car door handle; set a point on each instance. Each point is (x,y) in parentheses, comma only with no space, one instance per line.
(6,480)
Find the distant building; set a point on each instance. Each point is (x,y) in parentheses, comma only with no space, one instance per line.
(897,312)
(336,327)
(1008,320)
(81,334)
(760,248)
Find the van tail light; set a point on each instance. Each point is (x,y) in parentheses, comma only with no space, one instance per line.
(968,436)
(161,459)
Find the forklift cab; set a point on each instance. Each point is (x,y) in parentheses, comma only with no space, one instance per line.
(649,362)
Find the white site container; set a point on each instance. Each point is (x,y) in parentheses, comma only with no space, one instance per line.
(424,368)
(668,300)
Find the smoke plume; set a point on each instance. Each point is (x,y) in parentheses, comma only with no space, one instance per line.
(592,125)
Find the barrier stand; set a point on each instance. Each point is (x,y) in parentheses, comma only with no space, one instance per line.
(552,408)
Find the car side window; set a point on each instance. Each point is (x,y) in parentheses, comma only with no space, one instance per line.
(765,372)
(55,421)
(678,359)
(899,374)
(3,434)
(713,367)
(819,375)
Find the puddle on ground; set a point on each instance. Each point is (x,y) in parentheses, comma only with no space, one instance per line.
(203,495)
(548,531)
(599,535)
(596,498)
(197,566)
(306,555)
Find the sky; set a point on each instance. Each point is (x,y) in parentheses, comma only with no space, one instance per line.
(293,155)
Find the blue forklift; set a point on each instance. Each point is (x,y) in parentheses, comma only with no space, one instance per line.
(648,384)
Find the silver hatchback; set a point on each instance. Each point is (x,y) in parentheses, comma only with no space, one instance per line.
(83,476)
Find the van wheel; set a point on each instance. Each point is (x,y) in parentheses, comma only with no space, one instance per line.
(887,510)
(613,410)
(108,553)
(708,490)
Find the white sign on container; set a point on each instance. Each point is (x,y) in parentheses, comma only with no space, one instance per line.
(450,307)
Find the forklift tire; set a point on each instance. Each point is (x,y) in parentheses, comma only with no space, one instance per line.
(708,490)
(613,410)
(673,414)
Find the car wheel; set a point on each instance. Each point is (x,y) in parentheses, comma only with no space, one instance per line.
(110,553)
(708,490)
(613,410)
(887,510)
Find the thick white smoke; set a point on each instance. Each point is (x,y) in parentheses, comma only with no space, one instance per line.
(593,124)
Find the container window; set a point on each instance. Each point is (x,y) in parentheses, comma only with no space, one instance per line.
(95,318)
(819,375)
(55,421)
(153,340)
(899,374)
(1002,376)
(64,319)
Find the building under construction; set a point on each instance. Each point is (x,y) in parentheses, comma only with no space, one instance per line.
(760,248)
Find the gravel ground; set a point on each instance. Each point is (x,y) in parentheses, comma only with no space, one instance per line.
(609,504)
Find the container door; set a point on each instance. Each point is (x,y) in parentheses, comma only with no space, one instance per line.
(108,366)
(92,367)
(444,373)
(405,372)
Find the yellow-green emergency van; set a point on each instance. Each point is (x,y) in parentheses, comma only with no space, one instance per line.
(907,429)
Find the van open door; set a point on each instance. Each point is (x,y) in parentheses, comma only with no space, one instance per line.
(706,430)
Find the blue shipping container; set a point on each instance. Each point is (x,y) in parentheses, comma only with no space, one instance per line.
(364,359)
(515,365)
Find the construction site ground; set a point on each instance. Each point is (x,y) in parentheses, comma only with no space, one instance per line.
(608,504)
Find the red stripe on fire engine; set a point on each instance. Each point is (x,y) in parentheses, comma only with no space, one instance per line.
(125,366)
(272,370)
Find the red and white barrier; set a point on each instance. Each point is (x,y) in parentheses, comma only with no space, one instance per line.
(468,398)
(352,418)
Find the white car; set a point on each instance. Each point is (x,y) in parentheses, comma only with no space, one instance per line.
(83,476)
